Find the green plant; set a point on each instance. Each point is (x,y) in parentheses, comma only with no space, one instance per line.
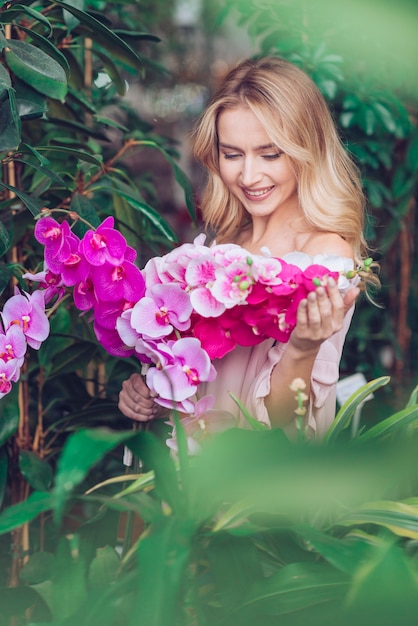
(255,529)
(62,67)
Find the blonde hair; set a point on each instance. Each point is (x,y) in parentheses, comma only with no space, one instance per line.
(297,119)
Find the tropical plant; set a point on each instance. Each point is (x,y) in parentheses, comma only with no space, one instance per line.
(63,66)
(254,529)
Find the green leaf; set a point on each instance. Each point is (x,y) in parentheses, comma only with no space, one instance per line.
(412,153)
(37,569)
(255,424)
(78,127)
(391,424)
(44,170)
(30,103)
(17,9)
(296,587)
(37,472)
(69,587)
(9,415)
(71,152)
(9,129)
(5,82)
(163,554)
(31,203)
(156,455)
(101,33)
(84,208)
(104,567)
(4,239)
(4,464)
(346,412)
(151,214)
(18,514)
(36,68)
(399,517)
(81,451)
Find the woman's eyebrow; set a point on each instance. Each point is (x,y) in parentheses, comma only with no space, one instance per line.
(267,146)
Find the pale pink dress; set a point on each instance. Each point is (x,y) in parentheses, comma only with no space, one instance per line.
(246,372)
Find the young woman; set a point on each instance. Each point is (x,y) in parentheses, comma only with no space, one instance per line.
(278,178)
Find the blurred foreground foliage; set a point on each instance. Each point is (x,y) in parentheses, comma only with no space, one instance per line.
(253,529)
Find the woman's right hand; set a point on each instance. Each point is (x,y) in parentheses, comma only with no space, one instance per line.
(135,400)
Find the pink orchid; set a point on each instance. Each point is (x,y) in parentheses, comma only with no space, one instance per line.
(104,245)
(200,276)
(165,308)
(51,284)
(111,341)
(190,365)
(13,345)
(9,373)
(84,295)
(232,284)
(215,339)
(116,282)
(28,312)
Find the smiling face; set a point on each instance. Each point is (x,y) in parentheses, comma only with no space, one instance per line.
(255,170)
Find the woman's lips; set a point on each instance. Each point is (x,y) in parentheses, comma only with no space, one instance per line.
(257,194)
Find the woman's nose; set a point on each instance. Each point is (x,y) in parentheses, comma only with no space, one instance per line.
(250,172)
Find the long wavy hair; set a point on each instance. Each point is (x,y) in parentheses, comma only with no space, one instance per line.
(297,119)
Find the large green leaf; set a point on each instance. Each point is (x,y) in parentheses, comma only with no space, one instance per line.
(36,68)
(296,587)
(69,584)
(104,35)
(36,471)
(399,517)
(48,47)
(163,554)
(81,451)
(18,514)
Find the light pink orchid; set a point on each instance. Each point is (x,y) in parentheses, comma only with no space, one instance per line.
(232,284)
(9,372)
(190,365)
(13,345)
(165,308)
(28,312)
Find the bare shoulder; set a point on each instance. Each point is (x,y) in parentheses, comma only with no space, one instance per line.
(327,243)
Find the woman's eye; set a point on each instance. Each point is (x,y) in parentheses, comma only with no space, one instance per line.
(231,156)
(271,157)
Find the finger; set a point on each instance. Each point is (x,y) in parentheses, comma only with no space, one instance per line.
(314,314)
(302,313)
(350,297)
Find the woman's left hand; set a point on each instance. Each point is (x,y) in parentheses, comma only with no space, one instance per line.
(321,315)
